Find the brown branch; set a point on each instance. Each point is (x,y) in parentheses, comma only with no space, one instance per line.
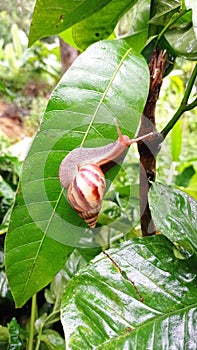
(148,150)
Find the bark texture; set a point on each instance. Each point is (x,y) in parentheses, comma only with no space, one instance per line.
(149,149)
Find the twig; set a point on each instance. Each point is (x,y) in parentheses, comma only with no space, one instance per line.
(148,150)
(173,20)
(184,106)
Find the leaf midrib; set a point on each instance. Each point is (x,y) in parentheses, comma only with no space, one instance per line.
(104,94)
(149,322)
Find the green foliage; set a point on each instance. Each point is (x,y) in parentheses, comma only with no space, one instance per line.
(140,293)
(18,65)
(52,339)
(98,110)
(4,337)
(62,16)
(176,214)
(6,198)
(177,160)
(15,342)
(9,175)
(102,306)
(10,13)
(100,25)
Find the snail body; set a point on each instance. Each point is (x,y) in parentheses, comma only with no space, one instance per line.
(80,173)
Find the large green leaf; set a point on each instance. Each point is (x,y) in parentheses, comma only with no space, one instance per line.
(175,213)
(101,24)
(106,81)
(31,258)
(51,17)
(143,298)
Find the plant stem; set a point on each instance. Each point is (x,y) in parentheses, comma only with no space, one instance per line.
(169,24)
(184,106)
(149,149)
(37,344)
(32,321)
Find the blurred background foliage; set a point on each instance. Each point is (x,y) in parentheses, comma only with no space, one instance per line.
(27,77)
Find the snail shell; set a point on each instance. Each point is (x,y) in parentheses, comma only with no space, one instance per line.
(86,191)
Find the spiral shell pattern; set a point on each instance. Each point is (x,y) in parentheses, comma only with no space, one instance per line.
(86,192)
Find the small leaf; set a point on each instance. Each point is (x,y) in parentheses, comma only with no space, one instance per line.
(15,342)
(133,299)
(50,18)
(184,177)
(7,91)
(52,339)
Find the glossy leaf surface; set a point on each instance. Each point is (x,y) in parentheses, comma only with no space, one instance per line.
(101,24)
(51,17)
(102,306)
(108,80)
(183,42)
(181,35)
(52,340)
(175,213)
(140,16)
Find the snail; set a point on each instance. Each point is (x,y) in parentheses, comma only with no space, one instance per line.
(81,174)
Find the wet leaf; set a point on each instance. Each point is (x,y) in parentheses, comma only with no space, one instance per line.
(174,213)
(183,42)
(52,339)
(138,296)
